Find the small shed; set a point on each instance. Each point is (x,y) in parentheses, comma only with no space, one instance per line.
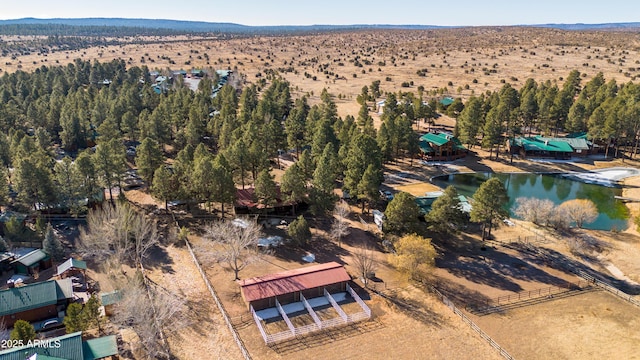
(32,263)
(72,267)
(109,300)
(261,292)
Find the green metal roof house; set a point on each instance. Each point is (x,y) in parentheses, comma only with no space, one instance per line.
(35,302)
(441,146)
(66,347)
(558,148)
(32,262)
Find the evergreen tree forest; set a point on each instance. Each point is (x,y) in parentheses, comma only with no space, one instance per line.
(607,111)
(66,134)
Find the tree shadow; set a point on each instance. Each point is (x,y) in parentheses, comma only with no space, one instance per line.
(559,261)
(158,258)
(494,268)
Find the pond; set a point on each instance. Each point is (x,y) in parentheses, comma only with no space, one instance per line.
(555,187)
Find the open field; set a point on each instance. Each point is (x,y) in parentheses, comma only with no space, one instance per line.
(591,325)
(464,61)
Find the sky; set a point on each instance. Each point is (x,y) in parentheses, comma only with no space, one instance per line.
(337,12)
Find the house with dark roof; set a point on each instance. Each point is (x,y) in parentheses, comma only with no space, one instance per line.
(35,302)
(246,203)
(286,287)
(32,263)
(66,347)
(441,146)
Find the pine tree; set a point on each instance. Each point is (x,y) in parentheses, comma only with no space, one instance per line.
(299,231)
(488,205)
(265,189)
(163,185)
(446,213)
(225,187)
(469,122)
(148,158)
(402,214)
(52,245)
(23,331)
(91,314)
(367,190)
(74,321)
(294,185)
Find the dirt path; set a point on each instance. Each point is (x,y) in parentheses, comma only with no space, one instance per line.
(206,334)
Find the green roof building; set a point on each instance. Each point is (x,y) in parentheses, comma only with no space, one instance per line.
(32,262)
(66,347)
(558,148)
(441,146)
(34,302)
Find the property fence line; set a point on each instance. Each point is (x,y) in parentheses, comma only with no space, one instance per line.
(214,295)
(608,287)
(536,293)
(589,278)
(473,326)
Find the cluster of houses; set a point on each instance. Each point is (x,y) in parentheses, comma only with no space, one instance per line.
(442,146)
(43,304)
(162,83)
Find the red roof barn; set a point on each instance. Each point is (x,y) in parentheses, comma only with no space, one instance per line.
(262,291)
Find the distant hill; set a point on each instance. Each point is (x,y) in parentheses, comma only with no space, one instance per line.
(603,26)
(181,26)
(201,26)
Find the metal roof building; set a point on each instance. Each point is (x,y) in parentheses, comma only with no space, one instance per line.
(262,291)
(66,347)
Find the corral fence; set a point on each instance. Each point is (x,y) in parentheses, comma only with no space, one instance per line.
(587,277)
(492,305)
(607,287)
(317,325)
(473,325)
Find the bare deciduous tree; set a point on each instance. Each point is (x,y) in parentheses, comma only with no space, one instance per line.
(364,261)
(340,226)
(235,243)
(118,232)
(151,313)
(538,211)
(579,211)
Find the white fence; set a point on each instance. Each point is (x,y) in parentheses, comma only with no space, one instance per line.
(335,305)
(364,306)
(317,324)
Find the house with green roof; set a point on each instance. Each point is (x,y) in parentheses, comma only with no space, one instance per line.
(66,347)
(441,146)
(32,263)
(35,302)
(556,148)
